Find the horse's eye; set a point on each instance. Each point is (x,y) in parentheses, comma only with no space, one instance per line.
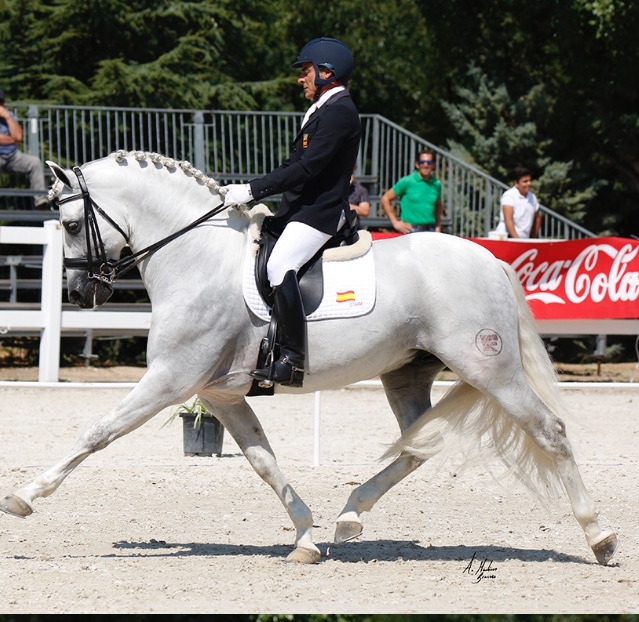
(72,227)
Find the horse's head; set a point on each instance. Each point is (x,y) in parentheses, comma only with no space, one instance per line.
(92,243)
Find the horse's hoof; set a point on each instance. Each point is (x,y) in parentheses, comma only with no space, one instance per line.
(15,506)
(304,556)
(605,550)
(347,530)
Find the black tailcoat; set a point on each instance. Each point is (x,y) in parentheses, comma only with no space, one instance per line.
(315,179)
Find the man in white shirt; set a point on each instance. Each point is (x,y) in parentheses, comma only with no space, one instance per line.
(520,215)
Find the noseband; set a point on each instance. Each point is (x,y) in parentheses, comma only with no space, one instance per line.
(108,271)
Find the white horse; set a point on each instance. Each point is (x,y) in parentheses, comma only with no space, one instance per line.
(441,301)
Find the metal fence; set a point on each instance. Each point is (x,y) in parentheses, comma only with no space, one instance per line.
(234,146)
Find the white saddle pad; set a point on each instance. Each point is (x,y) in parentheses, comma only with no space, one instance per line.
(349,286)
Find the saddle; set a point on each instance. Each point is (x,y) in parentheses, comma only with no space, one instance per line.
(310,275)
(311,283)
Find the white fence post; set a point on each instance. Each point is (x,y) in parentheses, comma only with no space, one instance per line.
(49,365)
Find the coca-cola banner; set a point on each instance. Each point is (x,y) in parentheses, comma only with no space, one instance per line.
(592,278)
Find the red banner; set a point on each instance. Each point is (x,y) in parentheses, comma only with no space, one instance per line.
(592,278)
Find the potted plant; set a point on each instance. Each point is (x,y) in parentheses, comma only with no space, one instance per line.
(203,434)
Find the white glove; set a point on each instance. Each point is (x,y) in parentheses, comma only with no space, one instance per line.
(236,194)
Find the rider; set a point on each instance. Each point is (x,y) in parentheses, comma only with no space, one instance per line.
(315,183)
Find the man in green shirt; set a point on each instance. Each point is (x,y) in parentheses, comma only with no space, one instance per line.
(420,198)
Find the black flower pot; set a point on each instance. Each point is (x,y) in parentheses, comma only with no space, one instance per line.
(204,439)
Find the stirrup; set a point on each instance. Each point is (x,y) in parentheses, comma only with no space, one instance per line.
(282,371)
(263,376)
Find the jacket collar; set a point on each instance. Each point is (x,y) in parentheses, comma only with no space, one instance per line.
(318,113)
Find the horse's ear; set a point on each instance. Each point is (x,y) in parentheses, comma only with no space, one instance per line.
(59,173)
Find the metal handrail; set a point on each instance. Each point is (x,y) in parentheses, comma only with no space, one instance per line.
(235,146)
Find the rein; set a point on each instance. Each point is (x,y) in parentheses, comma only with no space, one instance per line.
(109,271)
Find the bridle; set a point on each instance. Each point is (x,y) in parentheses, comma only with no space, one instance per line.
(98,266)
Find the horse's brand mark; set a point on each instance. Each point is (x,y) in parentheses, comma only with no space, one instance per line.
(488,342)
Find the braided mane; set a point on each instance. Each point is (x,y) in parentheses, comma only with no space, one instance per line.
(156,158)
(171,164)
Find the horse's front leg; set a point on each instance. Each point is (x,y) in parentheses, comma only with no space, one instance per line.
(148,398)
(242,424)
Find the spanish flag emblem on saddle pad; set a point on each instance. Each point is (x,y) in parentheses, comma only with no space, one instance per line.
(348,296)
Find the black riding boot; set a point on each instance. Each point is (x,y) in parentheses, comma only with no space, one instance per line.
(289,310)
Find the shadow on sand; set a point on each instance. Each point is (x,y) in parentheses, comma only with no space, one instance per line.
(351,552)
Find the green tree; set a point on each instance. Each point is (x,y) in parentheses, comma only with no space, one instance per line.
(390,44)
(495,133)
(582,53)
(164,54)
(574,60)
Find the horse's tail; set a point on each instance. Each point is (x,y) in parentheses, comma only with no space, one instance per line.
(472,423)
(538,367)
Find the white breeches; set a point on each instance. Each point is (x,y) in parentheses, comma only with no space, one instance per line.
(297,244)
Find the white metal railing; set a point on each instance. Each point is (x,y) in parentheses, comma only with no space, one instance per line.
(54,322)
(235,146)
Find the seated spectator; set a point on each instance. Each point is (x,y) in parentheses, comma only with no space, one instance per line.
(419,194)
(359,199)
(12,160)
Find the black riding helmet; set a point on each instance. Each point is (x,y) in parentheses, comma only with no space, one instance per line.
(329,53)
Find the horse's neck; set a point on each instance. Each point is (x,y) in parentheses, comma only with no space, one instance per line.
(211,251)
(151,202)
(164,209)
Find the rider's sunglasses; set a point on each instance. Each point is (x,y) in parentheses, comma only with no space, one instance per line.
(429,162)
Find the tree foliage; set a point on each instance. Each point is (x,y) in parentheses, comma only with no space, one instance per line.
(496,132)
(391,47)
(161,54)
(581,53)
(551,83)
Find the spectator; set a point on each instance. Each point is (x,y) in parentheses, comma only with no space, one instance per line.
(314,184)
(359,199)
(520,216)
(12,160)
(420,198)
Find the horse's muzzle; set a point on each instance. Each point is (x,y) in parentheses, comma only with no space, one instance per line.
(88,293)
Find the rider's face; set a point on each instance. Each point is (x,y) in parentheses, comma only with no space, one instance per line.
(307,79)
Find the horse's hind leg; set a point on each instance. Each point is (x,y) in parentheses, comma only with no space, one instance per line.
(548,433)
(242,424)
(603,542)
(408,392)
